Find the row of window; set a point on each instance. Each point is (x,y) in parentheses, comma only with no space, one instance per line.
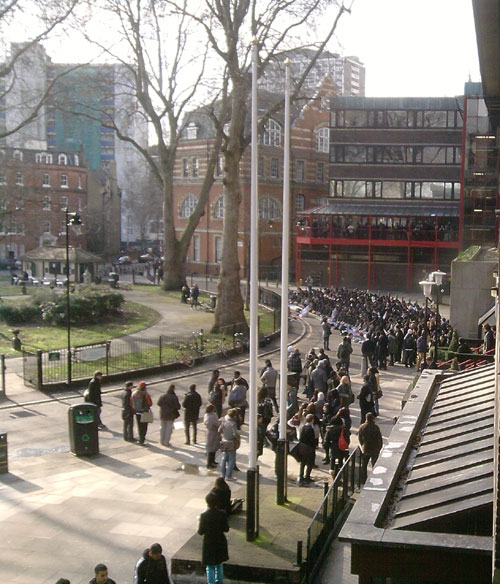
(396,119)
(395,189)
(269,208)
(44,157)
(396,154)
(46,180)
(47,202)
(271,136)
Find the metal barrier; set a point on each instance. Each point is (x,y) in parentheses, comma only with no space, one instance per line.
(30,369)
(331,513)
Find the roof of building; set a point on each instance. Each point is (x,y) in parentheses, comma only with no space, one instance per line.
(394,103)
(387,208)
(436,471)
(58,254)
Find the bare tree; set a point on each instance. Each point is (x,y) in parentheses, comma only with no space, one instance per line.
(36,20)
(157,54)
(229,26)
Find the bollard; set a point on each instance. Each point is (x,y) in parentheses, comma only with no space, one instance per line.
(299,553)
(2,365)
(4,460)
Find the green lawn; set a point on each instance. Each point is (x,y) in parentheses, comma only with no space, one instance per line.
(136,317)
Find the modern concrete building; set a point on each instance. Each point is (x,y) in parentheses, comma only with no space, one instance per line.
(347,73)
(394,207)
(82,98)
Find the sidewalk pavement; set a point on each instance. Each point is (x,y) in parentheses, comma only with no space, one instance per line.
(62,514)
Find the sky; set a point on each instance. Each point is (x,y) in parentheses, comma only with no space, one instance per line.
(420,48)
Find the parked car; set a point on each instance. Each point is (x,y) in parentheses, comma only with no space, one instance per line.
(146,257)
(123,260)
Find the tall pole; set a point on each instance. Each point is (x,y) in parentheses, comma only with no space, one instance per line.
(252,473)
(68,302)
(281,449)
(422,365)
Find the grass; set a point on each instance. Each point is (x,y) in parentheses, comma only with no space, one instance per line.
(135,317)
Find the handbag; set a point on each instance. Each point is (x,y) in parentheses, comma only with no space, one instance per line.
(147,417)
(295,452)
(343,445)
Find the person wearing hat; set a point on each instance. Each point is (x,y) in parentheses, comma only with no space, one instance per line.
(141,401)
(128,412)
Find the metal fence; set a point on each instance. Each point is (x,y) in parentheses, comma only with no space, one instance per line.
(42,368)
(332,511)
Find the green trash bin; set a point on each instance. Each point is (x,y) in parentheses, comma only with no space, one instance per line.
(4,460)
(83,431)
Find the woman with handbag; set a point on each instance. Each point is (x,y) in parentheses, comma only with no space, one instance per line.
(169,411)
(141,403)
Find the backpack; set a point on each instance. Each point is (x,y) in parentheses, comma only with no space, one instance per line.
(237,396)
(265,409)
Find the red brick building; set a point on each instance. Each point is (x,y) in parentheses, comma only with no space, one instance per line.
(309,183)
(35,188)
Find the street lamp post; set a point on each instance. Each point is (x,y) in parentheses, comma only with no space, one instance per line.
(71,219)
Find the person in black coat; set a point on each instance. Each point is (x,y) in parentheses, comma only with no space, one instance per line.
(213,524)
(152,567)
(307,450)
(93,395)
(128,413)
(223,493)
(191,405)
(366,398)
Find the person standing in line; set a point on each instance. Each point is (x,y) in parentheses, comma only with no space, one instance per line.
(215,393)
(191,405)
(213,525)
(93,395)
(169,411)
(238,397)
(307,450)
(141,402)
(212,442)
(128,412)
(101,575)
(152,567)
(195,293)
(295,367)
(269,377)
(370,442)
(344,352)
(230,442)
(366,399)
(327,331)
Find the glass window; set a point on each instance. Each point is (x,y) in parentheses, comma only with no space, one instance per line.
(188,206)
(80,181)
(64,202)
(355,154)
(219,208)
(18,155)
(46,180)
(260,169)
(434,155)
(196,248)
(220,166)
(320,172)
(46,203)
(19,178)
(185,167)
(355,119)
(300,170)
(218,249)
(323,140)
(269,209)
(46,227)
(195,167)
(62,159)
(272,134)
(64,181)
(192,131)
(300,203)
(76,160)
(275,168)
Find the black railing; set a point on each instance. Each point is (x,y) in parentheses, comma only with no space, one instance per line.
(332,512)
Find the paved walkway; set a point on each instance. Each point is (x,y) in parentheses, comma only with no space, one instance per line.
(61,515)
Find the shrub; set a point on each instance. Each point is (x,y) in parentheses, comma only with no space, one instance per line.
(87,307)
(19,313)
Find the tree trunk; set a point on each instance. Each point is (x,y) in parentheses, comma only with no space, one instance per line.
(229,310)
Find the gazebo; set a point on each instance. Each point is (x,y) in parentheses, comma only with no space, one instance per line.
(50,262)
